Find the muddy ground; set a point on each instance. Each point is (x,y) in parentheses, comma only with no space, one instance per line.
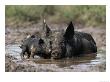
(13,62)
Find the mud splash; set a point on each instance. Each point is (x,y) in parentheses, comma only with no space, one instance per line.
(77,64)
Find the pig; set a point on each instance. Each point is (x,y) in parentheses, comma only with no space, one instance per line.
(34,45)
(37,44)
(71,43)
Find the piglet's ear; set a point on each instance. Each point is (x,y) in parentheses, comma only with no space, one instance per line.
(46,29)
(69,31)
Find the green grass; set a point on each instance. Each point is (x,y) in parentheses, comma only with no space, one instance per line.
(87,15)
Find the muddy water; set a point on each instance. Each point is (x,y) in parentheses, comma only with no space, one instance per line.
(77,64)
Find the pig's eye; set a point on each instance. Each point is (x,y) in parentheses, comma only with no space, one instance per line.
(41,41)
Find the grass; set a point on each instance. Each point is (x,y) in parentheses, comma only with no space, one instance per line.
(87,15)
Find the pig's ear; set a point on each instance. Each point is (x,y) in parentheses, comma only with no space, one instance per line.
(46,29)
(69,31)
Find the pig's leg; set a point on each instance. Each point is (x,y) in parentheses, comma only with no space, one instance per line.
(23,52)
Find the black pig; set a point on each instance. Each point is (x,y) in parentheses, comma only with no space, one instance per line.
(38,44)
(71,43)
(34,45)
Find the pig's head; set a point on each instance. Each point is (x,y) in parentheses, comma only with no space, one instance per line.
(60,40)
(53,40)
(56,40)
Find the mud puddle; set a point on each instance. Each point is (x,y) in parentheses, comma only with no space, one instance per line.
(77,64)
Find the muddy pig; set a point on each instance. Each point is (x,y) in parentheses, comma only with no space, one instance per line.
(71,43)
(34,45)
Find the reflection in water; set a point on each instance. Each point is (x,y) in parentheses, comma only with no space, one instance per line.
(82,62)
(66,62)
